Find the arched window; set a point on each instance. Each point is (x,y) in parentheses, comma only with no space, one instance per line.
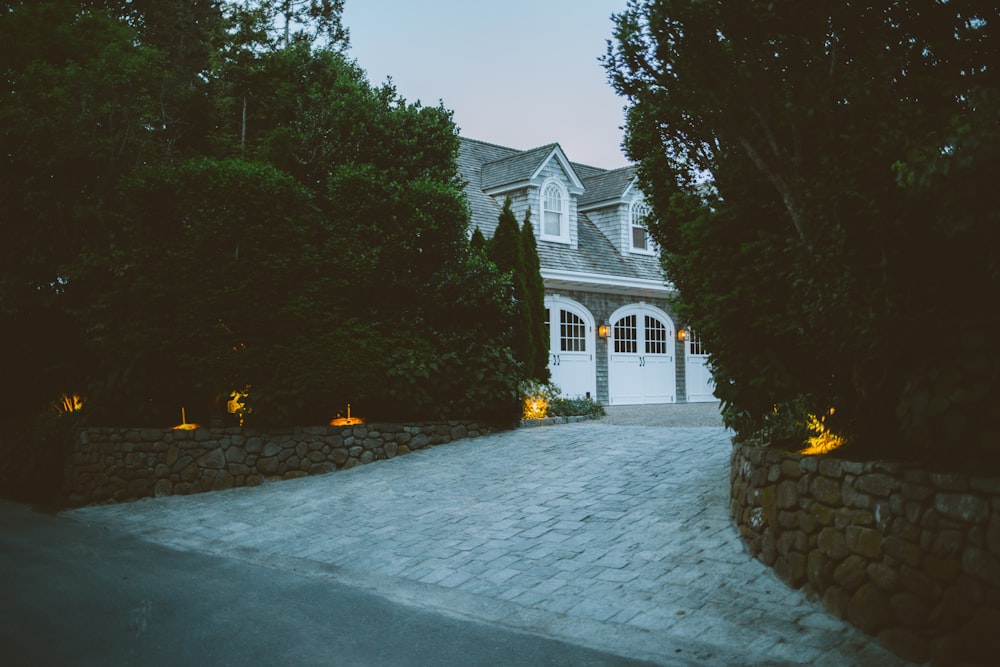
(555,212)
(640,240)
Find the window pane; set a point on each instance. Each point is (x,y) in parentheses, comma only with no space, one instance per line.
(639,238)
(553,224)
(572,333)
(656,336)
(626,335)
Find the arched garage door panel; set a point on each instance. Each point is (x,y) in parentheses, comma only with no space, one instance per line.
(571,347)
(641,367)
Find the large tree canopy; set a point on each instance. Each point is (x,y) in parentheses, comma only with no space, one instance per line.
(200,197)
(819,175)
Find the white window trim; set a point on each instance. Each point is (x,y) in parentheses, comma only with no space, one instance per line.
(563,236)
(650,248)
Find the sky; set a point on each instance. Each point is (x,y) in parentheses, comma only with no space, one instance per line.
(519,73)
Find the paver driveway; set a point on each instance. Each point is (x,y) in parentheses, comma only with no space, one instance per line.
(615,537)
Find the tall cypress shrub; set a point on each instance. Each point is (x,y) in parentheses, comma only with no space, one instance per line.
(535,297)
(506,250)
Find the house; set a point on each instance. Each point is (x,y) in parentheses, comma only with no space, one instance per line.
(613,336)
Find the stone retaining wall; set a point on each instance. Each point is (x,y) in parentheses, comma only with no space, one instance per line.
(909,556)
(116,464)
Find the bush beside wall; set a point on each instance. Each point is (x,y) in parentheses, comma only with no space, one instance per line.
(907,555)
(119,464)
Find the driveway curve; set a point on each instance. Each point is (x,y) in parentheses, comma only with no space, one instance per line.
(607,535)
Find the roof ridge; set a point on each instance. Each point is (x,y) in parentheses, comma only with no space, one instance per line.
(490,143)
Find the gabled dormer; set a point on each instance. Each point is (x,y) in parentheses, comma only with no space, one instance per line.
(615,204)
(544,181)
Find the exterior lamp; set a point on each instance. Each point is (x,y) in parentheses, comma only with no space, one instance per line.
(682,334)
(603,330)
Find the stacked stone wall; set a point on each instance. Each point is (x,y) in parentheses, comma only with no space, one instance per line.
(119,464)
(909,556)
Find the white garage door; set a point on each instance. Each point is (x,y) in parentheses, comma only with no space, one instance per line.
(641,357)
(699,383)
(571,347)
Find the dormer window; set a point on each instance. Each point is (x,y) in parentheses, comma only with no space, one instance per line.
(638,234)
(555,212)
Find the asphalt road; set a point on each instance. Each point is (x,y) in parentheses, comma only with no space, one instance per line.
(74,595)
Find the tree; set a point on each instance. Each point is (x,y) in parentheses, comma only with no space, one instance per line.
(534,295)
(506,251)
(800,207)
(308,242)
(77,110)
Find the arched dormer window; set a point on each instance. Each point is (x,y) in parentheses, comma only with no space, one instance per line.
(555,212)
(639,240)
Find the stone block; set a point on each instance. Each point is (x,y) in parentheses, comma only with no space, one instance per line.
(339,456)
(268,465)
(163,487)
(902,550)
(851,573)
(884,576)
(980,565)
(190,472)
(866,542)
(832,543)
(236,455)
(817,571)
(791,469)
(272,448)
(830,468)
(912,491)
(791,540)
(367,456)
(962,507)
(868,609)
(876,484)
(826,491)
(791,568)
(223,480)
(807,522)
(949,482)
(787,494)
(213,460)
(390,449)
(847,517)
(823,514)
(836,601)
(254,445)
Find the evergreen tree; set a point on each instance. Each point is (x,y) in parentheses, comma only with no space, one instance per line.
(478,241)
(507,252)
(535,297)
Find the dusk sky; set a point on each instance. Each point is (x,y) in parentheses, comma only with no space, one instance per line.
(521,73)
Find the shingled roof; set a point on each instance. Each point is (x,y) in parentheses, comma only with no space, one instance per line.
(606,186)
(485,166)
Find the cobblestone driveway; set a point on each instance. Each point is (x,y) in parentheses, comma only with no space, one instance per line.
(611,536)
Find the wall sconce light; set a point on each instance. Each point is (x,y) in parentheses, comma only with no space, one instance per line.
(603,330)
(682,335)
